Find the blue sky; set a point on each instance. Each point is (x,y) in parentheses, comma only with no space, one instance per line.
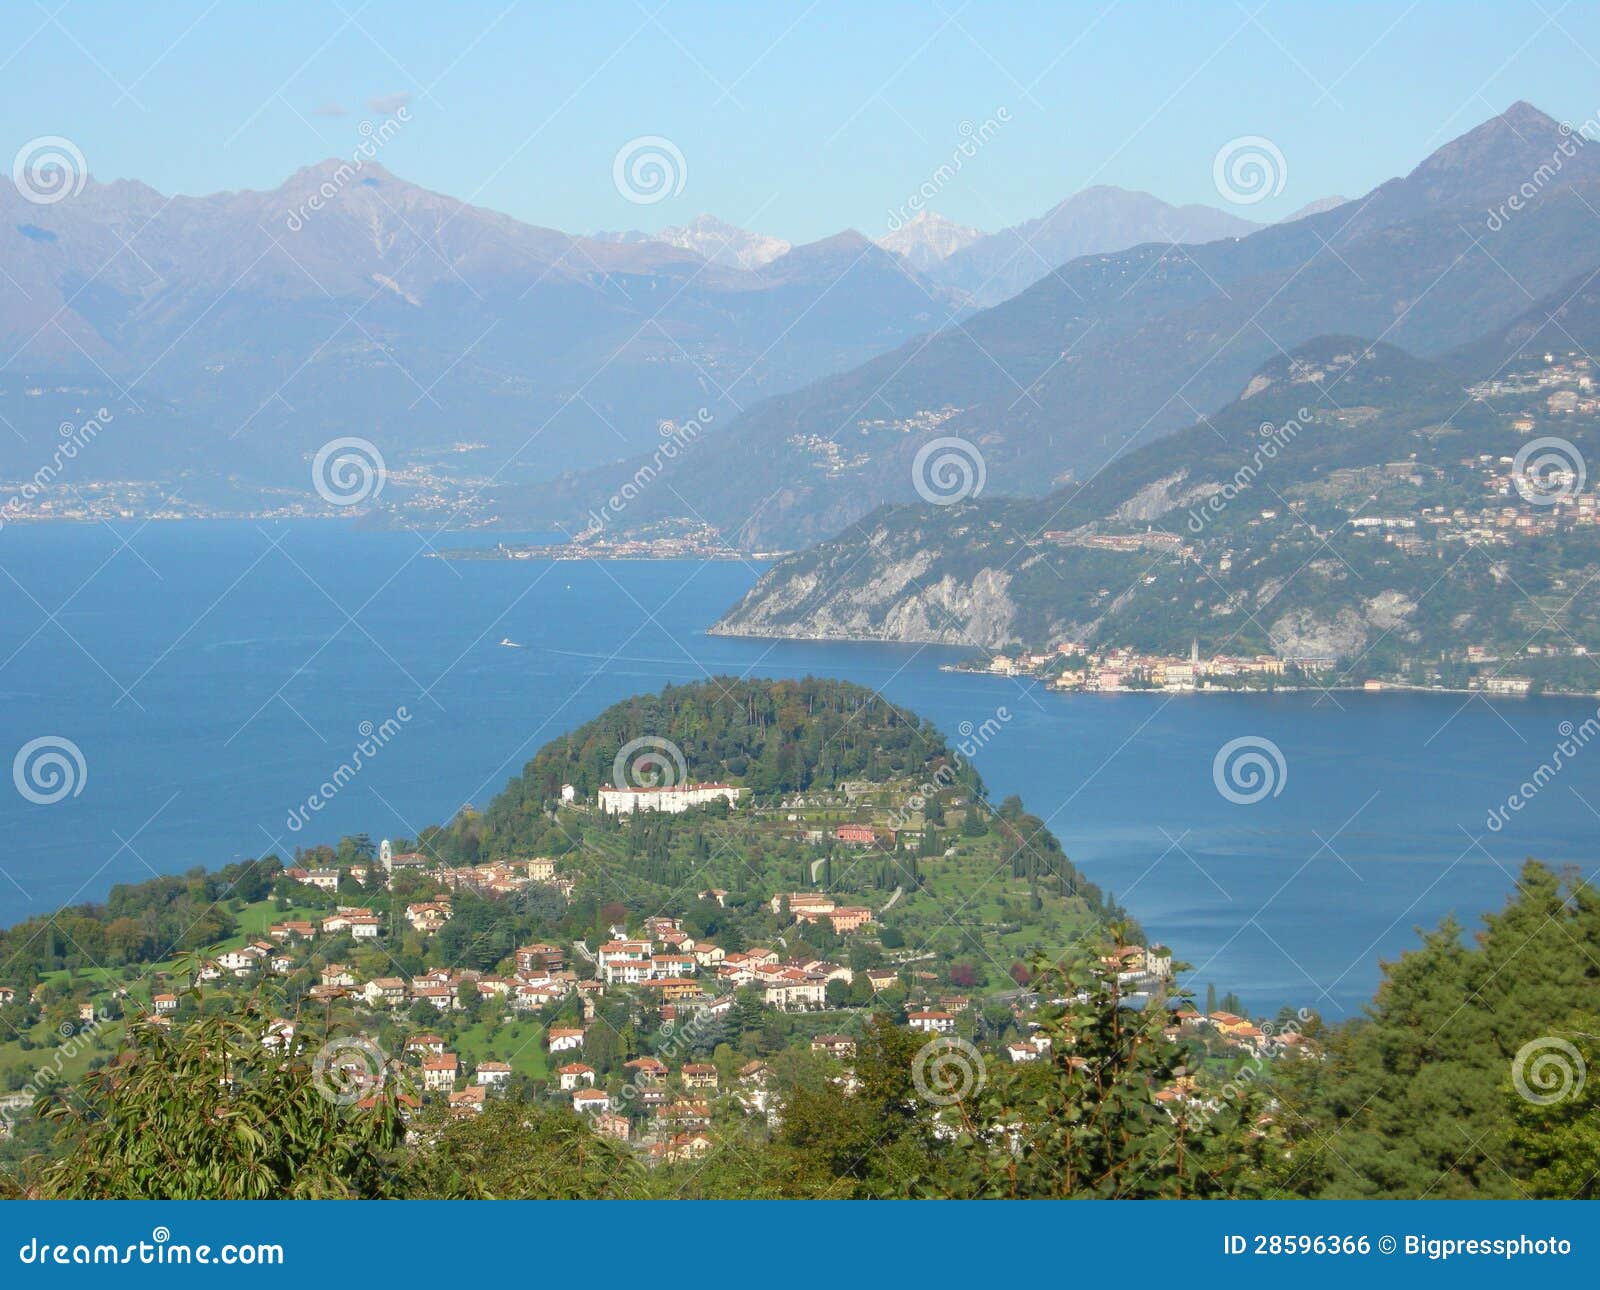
(795,119)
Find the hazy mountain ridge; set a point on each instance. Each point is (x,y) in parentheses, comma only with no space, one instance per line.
(348,301)
(1111,351)
(1098,220)
(977,573)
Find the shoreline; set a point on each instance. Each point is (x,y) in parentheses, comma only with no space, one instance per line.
(1387,687)
(956,669)
(565,555)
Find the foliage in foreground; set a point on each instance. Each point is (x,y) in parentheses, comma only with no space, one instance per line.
(1422,1097)
(210,1113)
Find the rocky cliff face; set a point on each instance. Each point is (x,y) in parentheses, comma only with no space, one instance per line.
(893,592)
(1345,632)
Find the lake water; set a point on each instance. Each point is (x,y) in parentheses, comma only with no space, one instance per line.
(213,675)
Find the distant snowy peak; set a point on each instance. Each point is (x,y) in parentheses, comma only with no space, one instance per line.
(712,239)
(929,239)
(723,243)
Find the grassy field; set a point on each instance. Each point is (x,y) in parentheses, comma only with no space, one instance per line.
(54,1056)
(519,1042)
(255,918)
(49,1051)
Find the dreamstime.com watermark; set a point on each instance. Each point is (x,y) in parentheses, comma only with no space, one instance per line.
(75,437)
(160,1249)
(1574,739)
(1272,440)
(1548,1070)
(678,1041)
(1241,1080)
(649,762)
(49,769)
(346,1070)
(348,471)
(946,1070)
(649,169)
(973,138)
(677,437)
(1249,769)
(1548,471)
(48,169)
(1573,141)
(373,741)
(373,138)
(948,470)
(1248,170)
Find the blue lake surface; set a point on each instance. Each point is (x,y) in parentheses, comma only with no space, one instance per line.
(214,675)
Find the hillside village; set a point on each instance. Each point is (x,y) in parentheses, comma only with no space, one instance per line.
(651,1030)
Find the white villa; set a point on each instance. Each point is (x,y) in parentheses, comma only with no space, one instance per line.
(624,801)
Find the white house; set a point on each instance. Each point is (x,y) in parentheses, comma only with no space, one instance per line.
(240,962)
(364,927)
(562,1038)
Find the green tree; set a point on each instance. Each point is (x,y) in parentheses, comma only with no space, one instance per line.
(874,1141)
(1412,1098)
(519,1151)
(1553,1112)
(209,1113)
(1084,1121)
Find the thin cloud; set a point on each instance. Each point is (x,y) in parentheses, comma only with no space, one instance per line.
(387,103)
(329,108)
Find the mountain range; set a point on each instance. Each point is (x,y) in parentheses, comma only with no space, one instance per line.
(1110,351)
(986,268)
(236,333)
(349,302)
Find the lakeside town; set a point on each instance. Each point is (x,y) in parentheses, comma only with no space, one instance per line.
(682,542)
(1076,668)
